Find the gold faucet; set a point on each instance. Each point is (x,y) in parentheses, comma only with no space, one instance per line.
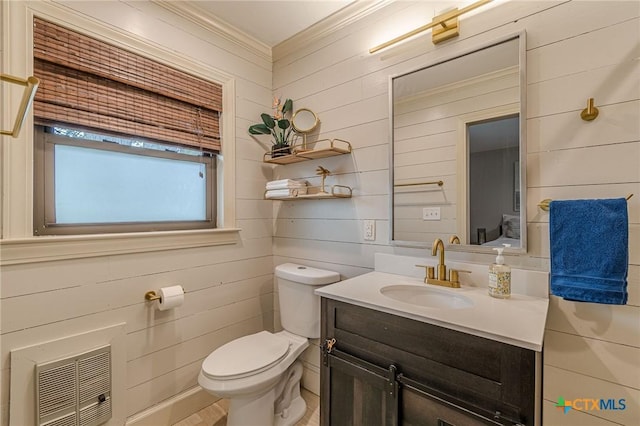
(441,280)
(442,268)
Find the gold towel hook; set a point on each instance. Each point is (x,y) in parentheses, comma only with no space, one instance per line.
(590,112)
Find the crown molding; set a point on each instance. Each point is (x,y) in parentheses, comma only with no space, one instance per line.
(191,12)
(348,15)
(338,20)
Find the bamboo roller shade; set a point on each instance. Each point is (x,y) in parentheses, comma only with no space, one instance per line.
(93,84)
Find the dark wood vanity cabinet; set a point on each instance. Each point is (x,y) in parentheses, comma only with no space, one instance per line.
(389,370)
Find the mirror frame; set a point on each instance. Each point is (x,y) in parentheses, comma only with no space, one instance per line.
(522,54)
(309,129)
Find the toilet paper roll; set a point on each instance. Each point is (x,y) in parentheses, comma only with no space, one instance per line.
(170,297)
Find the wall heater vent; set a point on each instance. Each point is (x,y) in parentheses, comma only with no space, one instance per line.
(68,420)
(75,391)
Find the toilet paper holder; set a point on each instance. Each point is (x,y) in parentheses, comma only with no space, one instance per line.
(166,298)
(151,296)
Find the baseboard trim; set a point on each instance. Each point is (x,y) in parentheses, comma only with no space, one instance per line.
(173,409)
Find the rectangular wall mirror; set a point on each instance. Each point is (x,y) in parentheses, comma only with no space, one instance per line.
(458,157)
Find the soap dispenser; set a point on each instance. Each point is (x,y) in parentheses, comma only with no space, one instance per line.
(500,276)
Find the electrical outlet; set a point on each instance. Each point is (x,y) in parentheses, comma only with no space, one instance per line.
(431,213)
(370,230)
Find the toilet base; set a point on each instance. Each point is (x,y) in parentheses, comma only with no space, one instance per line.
(281,405)
(252,413)
(293,414)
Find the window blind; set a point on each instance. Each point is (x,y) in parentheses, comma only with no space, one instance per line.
(89,83)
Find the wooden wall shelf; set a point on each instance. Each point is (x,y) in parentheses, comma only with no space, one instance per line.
(336,147)
(336,191)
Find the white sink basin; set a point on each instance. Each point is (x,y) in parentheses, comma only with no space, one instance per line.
(426,297)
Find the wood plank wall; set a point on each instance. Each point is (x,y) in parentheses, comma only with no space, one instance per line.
(229,288)
(575,50)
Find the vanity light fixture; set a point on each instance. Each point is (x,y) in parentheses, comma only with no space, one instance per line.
(445,26)
(30,86)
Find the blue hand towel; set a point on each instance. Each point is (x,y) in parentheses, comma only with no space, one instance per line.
(589,250)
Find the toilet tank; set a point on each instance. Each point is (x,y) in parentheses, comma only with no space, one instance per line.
(299,306)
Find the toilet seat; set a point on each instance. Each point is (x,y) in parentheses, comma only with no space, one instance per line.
(246,356)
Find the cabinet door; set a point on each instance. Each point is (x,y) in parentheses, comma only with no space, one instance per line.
(420,408)
(355,393)
(480,375)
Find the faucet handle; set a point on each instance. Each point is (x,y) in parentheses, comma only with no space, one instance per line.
(430,272)
(453,274)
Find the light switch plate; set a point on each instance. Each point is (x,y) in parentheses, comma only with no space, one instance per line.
(369,230)
(431,213)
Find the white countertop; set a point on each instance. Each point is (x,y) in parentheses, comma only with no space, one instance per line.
(519,320)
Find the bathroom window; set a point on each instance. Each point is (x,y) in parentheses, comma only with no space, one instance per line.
(123,143)
(88,183)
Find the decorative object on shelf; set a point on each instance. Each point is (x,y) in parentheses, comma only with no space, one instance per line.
(304,121)
(336,147)
(278,126)
(590,112)
(30,86)
(324,173)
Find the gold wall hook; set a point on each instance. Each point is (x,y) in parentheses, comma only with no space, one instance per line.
(590,112)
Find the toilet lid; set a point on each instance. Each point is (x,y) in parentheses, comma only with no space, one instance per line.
(245,356)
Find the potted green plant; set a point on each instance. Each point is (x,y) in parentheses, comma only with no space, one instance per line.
(278,126)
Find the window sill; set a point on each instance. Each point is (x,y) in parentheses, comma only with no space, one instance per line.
(45,249)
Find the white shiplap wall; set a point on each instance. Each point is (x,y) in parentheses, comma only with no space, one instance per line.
(229,288)
(575,50)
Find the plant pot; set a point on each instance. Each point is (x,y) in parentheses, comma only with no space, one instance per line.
(280,151)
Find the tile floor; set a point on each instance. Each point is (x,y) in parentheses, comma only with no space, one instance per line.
(216,414)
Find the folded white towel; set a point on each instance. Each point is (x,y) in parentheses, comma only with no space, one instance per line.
(282,182)
(286,184)
(281,193)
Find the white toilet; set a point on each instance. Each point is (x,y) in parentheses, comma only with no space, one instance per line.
(259,374)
